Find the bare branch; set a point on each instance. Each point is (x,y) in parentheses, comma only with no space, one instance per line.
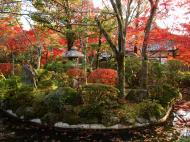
(106,35)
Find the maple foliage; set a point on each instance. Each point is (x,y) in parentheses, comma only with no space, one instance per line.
(75,72)
(6,68)
(105,76)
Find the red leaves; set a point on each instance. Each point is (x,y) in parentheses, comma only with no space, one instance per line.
(75,72)
(6,68)
(63,41)
(105,76)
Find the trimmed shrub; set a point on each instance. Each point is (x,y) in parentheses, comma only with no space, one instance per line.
(104,76)
(99,94)
(39,106)
(165,94)
(6,68)
(71,96)
(149,109)
(56,100)
(23,96)
(75,72)
(97,99)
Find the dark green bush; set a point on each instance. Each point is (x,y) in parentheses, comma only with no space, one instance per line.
(50,118)
(54,102)
(172,69)
(70,95)
(137,95)
(99,94)
(157,73)
(184,78)
(165,94)
(132,70)
(39,106)
(98,98)
(59,66)
(149,109)
(23,96)
(56,66)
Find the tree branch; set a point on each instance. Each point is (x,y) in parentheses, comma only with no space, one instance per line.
(106,35)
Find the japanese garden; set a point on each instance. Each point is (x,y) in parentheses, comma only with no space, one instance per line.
(95,70)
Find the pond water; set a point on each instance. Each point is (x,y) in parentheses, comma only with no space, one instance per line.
(177,128)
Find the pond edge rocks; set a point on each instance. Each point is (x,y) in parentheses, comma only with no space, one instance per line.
(63,125)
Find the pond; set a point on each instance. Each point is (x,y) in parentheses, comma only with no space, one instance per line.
(177,128)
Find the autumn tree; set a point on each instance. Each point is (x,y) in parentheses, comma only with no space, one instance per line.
(58,16)
(125,12)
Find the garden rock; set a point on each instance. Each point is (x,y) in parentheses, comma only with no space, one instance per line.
(137,95)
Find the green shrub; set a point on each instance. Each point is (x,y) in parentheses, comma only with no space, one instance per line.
(70,95)
(156,73)
(63,79)
(132,70)
(48,84)
(46,75)
(3,89)
(165,94)
(23,96)
(27,112)
(149,109)
(99,94)
(54,102)
(56,66)
(50,118)
(69,64)
(14,82)
(98,98)
(39,106)
(172,69)
(137,95)
(184,78)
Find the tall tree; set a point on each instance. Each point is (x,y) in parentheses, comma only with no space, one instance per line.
(58,16)
(144,69)
(125,11)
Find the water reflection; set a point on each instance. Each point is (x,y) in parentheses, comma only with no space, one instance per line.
(182,118)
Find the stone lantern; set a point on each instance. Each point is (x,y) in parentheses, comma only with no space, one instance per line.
(73,54)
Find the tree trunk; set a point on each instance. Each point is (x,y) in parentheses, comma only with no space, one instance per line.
(144,68)
(39,52)
(13,60)
(121,74)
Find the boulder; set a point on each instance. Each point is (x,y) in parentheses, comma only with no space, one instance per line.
(137,95)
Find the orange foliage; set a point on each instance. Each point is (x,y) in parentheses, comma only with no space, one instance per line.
(6,68)
(105,76)
(75,72)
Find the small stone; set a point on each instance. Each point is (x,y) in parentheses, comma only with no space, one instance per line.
(37,120)
(61,124)
(153,119)
(141,120)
